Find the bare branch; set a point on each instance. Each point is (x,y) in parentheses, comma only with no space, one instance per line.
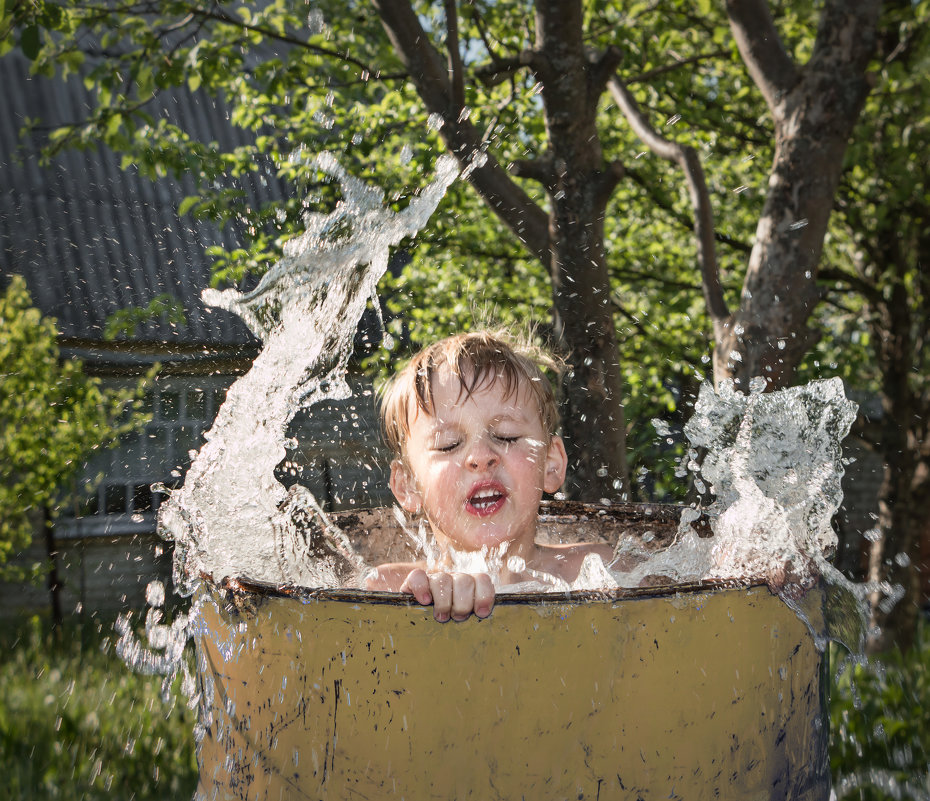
(686,158)
(769,64)
(856,283)
(648,75)
(455,57)
(500,70)
(291,40)
(603,67)
(608,179)
(682,219)
(483,31)
(540,169)
(429,74)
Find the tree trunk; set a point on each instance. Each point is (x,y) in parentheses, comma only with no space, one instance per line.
(814,108)
(893,560)
(902,503)
(579,186)
(570,243)
(54,584)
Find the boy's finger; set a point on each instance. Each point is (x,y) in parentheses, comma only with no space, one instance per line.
(484,595)
(417,584)
(463,596)
(440,585)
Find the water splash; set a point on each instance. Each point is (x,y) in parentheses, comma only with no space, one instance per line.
(774,463)
(232,517)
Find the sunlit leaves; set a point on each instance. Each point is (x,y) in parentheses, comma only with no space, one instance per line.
(324,76)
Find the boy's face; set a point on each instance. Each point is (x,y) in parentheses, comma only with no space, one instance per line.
(478,465)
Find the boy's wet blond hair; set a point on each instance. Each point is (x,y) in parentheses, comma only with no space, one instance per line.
(478,359)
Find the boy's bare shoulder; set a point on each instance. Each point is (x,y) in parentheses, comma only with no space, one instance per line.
(389,577)
(565,560)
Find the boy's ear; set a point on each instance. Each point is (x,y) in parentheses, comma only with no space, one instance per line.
(556,465)
(404,488)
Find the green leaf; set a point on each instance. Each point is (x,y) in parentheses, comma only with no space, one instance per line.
(29,41)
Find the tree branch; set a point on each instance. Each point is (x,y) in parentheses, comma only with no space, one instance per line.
(455,57)
(428,73)
(502,69)
(683,220)
(648,75)
(286,39)
(686,158)
(602,68)
(769,64)
(539,169)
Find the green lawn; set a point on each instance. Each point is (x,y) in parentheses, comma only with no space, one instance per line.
(75,723)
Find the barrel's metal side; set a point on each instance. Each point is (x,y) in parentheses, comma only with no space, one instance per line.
(696,695)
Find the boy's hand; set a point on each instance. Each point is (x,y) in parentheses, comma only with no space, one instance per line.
(451,594)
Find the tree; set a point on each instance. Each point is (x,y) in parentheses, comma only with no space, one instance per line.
(660,176)
(542,71)
(879,264)
(52,416)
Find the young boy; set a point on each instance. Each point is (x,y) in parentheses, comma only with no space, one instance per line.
(472,423)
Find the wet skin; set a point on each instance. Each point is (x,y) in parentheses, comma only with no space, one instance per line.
(477,468)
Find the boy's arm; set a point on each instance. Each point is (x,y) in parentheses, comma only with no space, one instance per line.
(453,595)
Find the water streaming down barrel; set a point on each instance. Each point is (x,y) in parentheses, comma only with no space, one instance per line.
(704,686)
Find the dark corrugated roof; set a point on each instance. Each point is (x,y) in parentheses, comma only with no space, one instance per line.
(91,238)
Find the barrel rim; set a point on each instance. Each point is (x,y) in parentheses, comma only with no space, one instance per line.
(242,588)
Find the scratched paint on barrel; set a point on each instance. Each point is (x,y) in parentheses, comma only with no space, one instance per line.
(693,694)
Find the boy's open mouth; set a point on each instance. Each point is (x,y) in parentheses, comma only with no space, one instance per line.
(486,499)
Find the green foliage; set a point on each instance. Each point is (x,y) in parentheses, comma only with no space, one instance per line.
(52,416)
(75,723)
(880,726)
(879,247)
(124,322)
(325,76)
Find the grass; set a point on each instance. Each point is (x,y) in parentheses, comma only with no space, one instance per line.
(76,723)
(880,726)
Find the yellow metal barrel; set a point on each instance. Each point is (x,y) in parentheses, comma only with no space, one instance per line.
(688,692)
(696,694)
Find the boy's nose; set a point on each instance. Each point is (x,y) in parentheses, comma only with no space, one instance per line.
(482,455)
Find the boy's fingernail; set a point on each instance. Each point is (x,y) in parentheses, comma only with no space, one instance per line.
(460,618)
(427,599)
(482,611)
(442,617)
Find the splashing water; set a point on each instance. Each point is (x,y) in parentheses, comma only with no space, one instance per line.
(232,518)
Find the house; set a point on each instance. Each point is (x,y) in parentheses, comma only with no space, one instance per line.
(91,240)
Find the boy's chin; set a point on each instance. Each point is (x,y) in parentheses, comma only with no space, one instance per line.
(484,537)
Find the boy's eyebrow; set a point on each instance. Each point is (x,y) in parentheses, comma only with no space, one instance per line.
(508,417)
